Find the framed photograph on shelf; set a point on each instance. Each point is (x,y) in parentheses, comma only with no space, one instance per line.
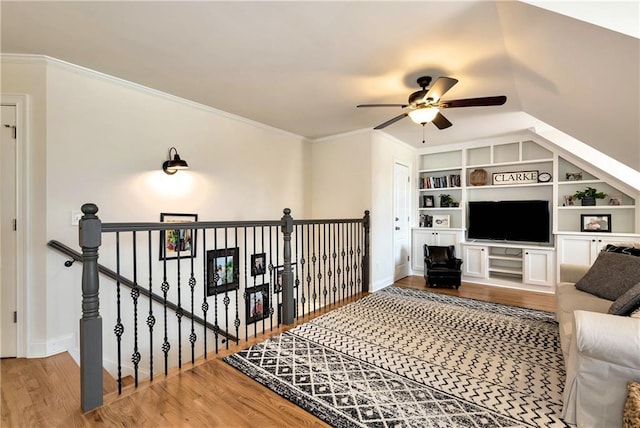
(222,271)
(441,221)
(595,222)
(179,242)
(573,176)
(429,201)
(257,303)
(568,201)
(615,199)
(258,264)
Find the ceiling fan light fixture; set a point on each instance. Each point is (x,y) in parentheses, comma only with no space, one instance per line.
(424,114)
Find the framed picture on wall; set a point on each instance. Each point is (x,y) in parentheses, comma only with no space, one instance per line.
(179,243)
(595,222)
(258,264)
(223,271)
(257,303)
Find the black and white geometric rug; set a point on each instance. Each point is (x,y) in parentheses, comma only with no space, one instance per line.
(410,358)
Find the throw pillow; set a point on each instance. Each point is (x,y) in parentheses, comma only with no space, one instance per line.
(631,415)
(611,275)
(630,249)
(627,303)
(635,314)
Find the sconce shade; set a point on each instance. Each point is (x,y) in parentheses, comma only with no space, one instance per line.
(172,166)
(424,114)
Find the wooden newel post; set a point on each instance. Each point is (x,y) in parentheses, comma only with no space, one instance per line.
(90,236)
(287,274)
(365,257)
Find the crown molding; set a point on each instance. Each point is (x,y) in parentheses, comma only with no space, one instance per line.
(11,58)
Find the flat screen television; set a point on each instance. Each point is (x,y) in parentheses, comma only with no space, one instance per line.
(517,221)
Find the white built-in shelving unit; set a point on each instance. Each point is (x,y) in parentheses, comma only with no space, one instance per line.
(525,266)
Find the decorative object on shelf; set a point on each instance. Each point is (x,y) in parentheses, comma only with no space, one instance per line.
(589,196)
(172,166)
(544,177)
(445,200)
(478,177)
(426,220)
(428,201)
(568,201)
(516,177)
(595,222)
(441,221)
(222,270)
(179,242)
(615,199)
(573,176)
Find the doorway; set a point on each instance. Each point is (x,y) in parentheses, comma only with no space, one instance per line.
(401,216)
(8,234)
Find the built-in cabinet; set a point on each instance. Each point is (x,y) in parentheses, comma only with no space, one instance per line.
(465,174)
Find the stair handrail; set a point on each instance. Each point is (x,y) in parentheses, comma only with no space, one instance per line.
(77,257)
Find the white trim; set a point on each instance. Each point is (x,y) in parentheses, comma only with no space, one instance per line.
(43,59)
(23,259)
(341,135)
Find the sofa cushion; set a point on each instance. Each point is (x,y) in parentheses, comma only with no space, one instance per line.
(627,303)
(611,275)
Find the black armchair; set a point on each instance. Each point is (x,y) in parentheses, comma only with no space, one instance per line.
(441,267)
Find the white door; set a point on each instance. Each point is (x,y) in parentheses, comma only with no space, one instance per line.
(8,238)
(401,232)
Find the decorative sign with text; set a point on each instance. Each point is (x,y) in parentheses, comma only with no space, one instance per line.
(518,177)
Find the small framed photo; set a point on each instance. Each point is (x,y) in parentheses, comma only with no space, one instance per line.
(222,271)
(258,263)
(182,242)
(429,201)
(568,201)
(615,200)
(257,303)
(573,176)
(595,222)
(441,221)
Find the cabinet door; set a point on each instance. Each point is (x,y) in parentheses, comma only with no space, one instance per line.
(475,261)
(445,238)
(538,267)
(575,249)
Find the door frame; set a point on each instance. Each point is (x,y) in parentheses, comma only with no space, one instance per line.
(409,201)
(21,103)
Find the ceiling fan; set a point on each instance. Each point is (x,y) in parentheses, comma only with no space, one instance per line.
(424,105)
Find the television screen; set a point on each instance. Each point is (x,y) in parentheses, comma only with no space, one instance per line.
(522,221)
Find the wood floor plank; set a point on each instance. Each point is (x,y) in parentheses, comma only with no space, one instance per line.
(46,391)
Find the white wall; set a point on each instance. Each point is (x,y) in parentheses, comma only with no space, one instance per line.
(101,140)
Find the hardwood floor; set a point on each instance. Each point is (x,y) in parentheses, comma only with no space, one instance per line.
(46,392)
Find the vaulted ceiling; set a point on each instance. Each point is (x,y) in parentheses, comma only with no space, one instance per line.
(303,66)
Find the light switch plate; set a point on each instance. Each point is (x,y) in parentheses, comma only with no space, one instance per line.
(76,215)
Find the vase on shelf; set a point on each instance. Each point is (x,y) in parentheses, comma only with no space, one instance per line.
(588,201)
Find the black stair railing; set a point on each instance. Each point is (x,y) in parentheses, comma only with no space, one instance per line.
(253,276)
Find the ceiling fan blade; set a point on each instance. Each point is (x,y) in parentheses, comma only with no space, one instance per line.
(390,121)
(382,105)
(474,102)
(441,122)
(438,89)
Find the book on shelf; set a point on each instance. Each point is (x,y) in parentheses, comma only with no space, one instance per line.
(440,182)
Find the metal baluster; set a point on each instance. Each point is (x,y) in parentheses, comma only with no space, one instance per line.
(322,277)
(205,301)
(246,295)
(179,312)
(334,289)
(166,346)
(365,259)
(135,293)
(297,278)
(192,286)
(119,328)
(236,278)
(151,320)
(216,330)
(343,254)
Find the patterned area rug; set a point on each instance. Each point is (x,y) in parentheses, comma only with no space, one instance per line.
(410,358)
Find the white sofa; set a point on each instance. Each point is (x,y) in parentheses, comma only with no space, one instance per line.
(601,354)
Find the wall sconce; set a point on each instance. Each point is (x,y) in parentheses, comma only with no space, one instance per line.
(172,166)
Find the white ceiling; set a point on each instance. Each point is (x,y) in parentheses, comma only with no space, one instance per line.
(304,66)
